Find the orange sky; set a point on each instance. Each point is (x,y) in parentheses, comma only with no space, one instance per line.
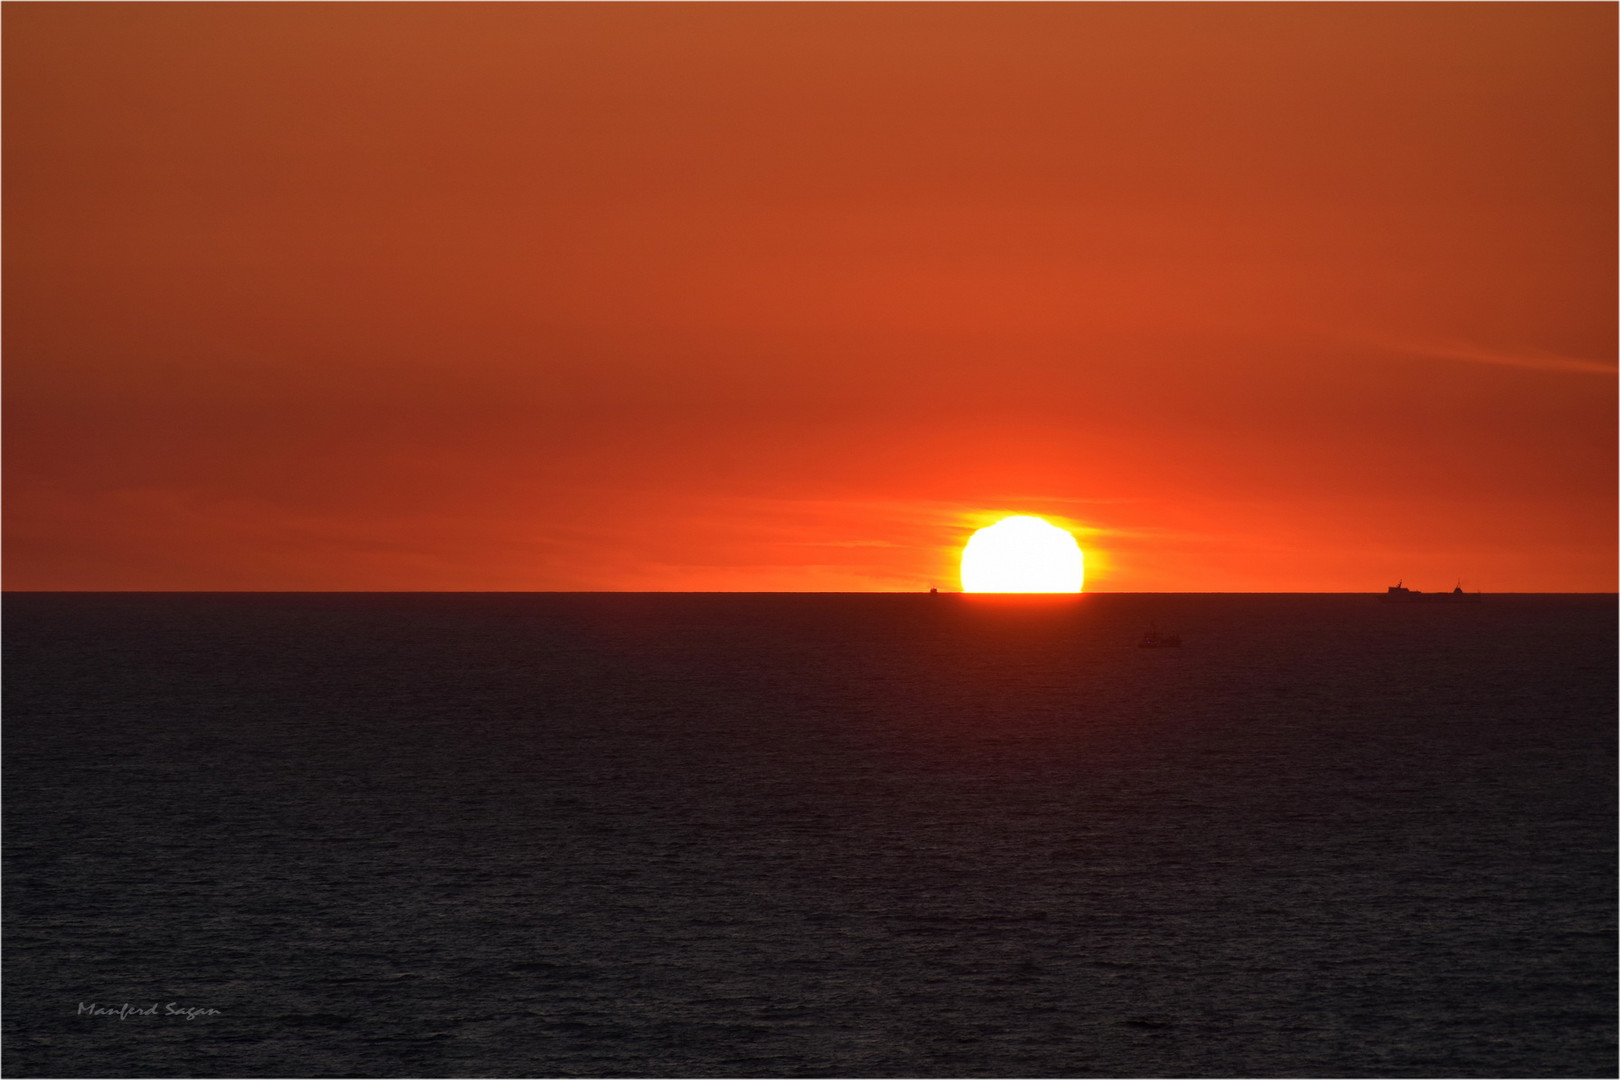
(783,297)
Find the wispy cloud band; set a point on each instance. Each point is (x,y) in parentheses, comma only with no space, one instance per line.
(1534,361)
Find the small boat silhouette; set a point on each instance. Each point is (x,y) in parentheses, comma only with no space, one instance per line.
(1399,593)
(1155,640)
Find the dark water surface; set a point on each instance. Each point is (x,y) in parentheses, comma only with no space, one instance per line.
(810,835)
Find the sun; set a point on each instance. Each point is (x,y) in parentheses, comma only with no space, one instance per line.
(1022,555)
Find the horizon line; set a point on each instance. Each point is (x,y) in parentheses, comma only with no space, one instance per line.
(776,592)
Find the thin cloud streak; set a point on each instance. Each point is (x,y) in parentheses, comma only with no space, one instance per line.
(1532,362)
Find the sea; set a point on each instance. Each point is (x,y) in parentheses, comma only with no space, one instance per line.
(830,835)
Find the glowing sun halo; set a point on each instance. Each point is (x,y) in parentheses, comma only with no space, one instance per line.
(1022,555)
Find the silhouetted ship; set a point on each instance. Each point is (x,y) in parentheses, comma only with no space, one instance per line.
(1155,640)
(1399,593)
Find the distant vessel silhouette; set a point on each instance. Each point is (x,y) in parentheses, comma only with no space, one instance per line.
(1401,594)
(1155,640)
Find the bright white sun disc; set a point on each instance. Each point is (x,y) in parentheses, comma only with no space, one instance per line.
(1022,555)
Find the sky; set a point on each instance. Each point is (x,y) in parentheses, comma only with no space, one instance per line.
(792,297)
